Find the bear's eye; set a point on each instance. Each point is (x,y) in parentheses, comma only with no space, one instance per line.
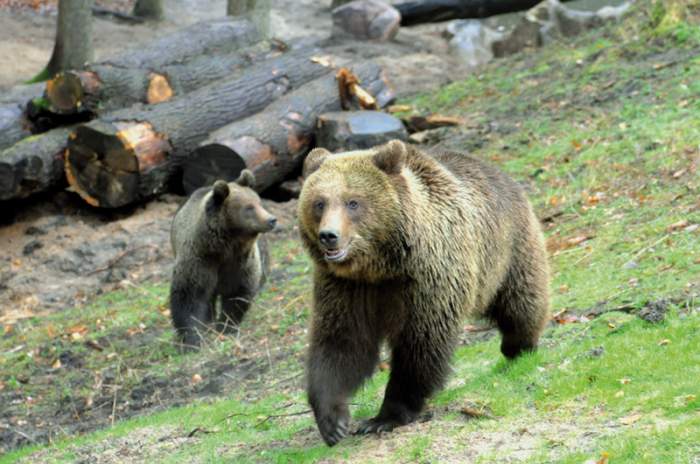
(319,205)
(249,208)
(353,204)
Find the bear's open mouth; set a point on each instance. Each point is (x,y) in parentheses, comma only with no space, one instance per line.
(336,254)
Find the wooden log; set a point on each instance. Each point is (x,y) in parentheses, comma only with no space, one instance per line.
(33,165)
(432,11)
(125,156)
(14,124)
(213,37)
(104,87)
(274,142)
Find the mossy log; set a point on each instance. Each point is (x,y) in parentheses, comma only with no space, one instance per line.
(33,165)
(125,156)
(274,142)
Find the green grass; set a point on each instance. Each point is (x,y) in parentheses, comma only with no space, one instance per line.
(604,132)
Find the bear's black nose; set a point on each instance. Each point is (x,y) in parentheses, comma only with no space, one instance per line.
(272,222)
(329,238)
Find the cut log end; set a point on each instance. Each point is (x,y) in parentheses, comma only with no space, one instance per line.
(159,89)
(209,163)
(104,161)
(66,91)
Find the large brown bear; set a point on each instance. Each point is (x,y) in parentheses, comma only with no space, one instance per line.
(404,244)
(219,252)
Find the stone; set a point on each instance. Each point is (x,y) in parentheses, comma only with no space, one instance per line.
(471,41)
(366,20)
(357,130)
(526,34)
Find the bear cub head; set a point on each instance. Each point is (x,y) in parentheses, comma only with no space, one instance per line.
(236,208)
(350,213)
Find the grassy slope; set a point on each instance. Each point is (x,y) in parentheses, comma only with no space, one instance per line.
(605,131)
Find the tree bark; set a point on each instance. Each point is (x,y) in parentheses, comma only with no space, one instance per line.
(33,165)
(274,142)
(129,155)
(257,11)
(14,124)
(200,39)
(73,44)
(431,11)
(103,87)
(149,9)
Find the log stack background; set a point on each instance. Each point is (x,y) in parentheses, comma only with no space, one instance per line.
(194,106)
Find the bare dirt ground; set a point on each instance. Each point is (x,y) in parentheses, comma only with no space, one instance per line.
(56,252)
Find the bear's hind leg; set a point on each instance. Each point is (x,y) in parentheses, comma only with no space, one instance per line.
(419,367)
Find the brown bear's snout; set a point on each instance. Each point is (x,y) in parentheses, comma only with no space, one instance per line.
(271,223)
(329,238)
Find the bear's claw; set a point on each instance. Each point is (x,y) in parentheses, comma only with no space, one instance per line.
(333,430)
(377,425)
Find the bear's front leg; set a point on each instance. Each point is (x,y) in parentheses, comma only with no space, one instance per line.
(191,300)
(419,365)
(336,368)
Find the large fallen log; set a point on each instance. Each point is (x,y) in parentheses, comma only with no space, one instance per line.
(273,142)
(14,125)
(214,37)
(432,11)
(33,165)
(103,87)
(124,157)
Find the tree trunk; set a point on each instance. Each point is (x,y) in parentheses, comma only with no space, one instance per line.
(73,45)
(257,11)
(103,87)
(149,9)
(33,165)
(274,142)
(431,11)
(129,155)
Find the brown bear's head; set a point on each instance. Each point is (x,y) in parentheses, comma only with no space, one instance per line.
(349,209)
(238,208)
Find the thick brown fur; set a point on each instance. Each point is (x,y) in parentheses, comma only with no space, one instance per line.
(404,245)
(219,252)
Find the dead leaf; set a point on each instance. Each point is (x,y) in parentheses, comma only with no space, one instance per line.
(7,329)
(677,225)
(472,412)
(625,381)
(603,458)
(79,329)
(399,108)
(577,145)
(631,419)
(383,366)
(196,378)
(56,364)
(325,61)
(678,173)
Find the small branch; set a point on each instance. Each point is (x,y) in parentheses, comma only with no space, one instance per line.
(272,416)
(118,258)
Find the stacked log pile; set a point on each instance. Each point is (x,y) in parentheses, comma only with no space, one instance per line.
(198,105)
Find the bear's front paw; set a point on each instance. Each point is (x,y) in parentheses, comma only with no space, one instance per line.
(333,428)
(377,425)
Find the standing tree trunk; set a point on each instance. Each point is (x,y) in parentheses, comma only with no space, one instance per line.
(149,9)
(73,45)
(258,11)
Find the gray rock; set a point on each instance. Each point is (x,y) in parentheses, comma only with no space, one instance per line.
(526,34)
(471,41)
(557,20)
(366,20)
(357,130)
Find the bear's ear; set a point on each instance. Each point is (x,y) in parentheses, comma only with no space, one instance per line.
(220,191)
(246,178)
(391,157)
(313,161)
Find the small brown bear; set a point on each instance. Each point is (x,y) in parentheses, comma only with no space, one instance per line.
(219,251)
(405,244)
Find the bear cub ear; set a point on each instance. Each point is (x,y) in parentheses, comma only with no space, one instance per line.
(391,157)
(246,178)
(220,191)
(313,161)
